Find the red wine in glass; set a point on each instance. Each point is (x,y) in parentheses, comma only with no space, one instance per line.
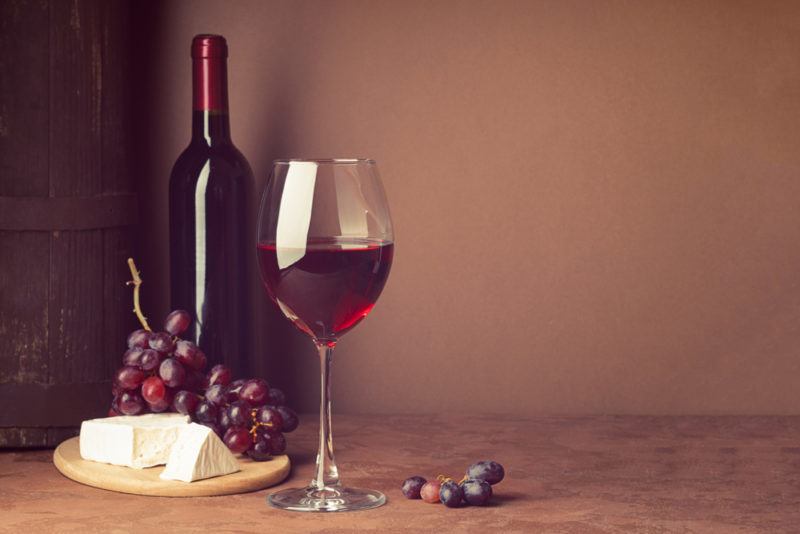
(332,286)
(325,247)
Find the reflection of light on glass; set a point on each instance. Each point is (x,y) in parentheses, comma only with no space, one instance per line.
(294,216)
(200,241)
(352,207)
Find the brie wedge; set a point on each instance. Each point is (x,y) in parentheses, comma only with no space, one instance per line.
(131,440)
(199,454)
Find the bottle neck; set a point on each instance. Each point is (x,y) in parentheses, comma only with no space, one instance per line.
(210,123)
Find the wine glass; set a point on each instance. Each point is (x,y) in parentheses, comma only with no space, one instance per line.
(325,247)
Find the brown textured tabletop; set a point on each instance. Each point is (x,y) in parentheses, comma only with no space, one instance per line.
(563,474)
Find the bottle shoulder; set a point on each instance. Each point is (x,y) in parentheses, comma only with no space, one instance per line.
(223,162)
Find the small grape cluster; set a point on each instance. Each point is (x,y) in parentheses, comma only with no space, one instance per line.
(162,372)
(475,489)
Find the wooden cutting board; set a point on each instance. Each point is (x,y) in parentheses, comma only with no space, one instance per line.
(252,477)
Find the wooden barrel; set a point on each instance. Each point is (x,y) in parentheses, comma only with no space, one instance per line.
(66,213)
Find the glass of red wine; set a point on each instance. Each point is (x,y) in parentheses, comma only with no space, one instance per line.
(325,247)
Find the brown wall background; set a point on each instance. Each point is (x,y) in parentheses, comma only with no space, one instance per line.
(596,203)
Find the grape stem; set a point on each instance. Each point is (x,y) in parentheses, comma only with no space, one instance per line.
(137,282)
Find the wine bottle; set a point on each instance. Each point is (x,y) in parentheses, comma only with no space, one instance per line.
(209,194)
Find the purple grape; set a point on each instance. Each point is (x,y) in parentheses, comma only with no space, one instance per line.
(476,492)
(233,389)
(177,322)
(133,357)
(129,377)
(200,360)
(172,372)
(412,486)
(187,352)
(185,402)
(162,342)
(276,440)
(289,418)
(138,338)
(195,381)
(206,412)
(451,494)
(237,439)
(260,451)
(276,397)
(150,360)
(213,426)
(224,420)
(216,395)
(219,374)
(488,470)
(277,443)
(271,417)
(239,413)
(254,391)
(130,403)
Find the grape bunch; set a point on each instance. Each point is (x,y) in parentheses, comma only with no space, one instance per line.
(162,372)
(474,489)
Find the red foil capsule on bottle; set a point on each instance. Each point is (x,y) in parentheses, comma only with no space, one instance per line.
(209,72)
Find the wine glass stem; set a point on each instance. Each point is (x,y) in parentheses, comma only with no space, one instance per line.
(326,473)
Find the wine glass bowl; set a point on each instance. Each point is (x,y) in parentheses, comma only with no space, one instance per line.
(325,248)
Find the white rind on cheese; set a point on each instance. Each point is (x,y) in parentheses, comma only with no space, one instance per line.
(136,441)
(199,454)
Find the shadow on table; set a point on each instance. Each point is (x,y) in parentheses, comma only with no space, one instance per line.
(500,499)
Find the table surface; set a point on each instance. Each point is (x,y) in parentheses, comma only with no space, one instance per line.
(563,474)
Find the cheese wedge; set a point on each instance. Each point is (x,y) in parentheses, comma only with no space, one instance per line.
(199,454)
(136,441)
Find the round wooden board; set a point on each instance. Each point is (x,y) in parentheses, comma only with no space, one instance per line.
(252,477)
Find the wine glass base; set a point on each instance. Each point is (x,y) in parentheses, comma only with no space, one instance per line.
(329,499)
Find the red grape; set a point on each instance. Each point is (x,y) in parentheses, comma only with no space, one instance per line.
(430,491)
(237,439)
(172,372)
(133,357)
(270,417)
(254,391)
(185,402)
(177,322)
(130,403)
(162,342)
(289,417)
(195,381)
(153,390)
(138,338)
(150,360)
(129,377)
(200,360)
(219,374)
(162,405)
